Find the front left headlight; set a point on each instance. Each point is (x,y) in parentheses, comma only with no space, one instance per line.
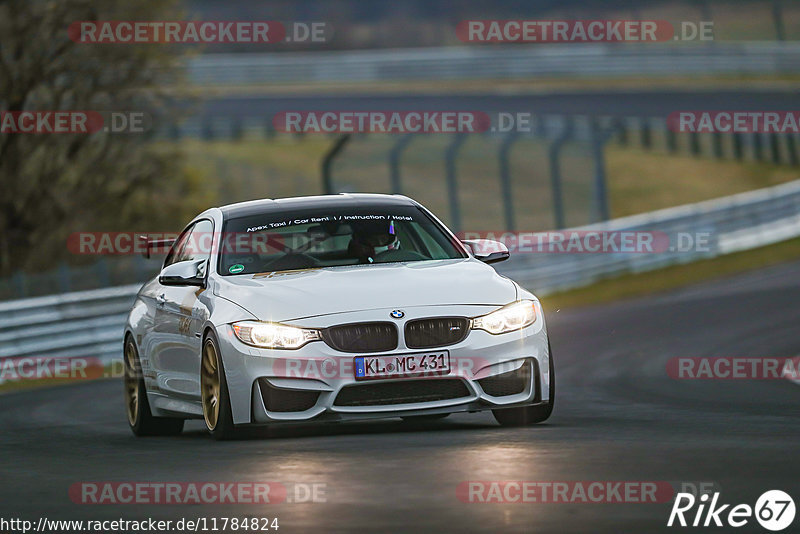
(274,335)
(514,316)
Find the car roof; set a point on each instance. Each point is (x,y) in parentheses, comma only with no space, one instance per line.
(342,200)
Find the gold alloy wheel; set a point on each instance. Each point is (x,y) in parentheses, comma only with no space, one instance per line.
(209,385)
(131,383)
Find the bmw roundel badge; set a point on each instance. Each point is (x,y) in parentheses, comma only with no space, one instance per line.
(398,314)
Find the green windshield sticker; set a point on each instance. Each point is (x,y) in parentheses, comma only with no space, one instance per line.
(236,269)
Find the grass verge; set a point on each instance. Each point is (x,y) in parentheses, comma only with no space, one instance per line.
(109,371)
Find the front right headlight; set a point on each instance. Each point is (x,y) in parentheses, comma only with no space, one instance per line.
(274,335)
(514,316)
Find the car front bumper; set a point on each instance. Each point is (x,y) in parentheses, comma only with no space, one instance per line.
(317,382)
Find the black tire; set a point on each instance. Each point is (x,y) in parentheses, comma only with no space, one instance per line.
(140,418)
(424,418)
(223,428)
(530,415)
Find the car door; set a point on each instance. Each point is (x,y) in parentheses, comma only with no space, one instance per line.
(191,313)
(183,316)
(162,339)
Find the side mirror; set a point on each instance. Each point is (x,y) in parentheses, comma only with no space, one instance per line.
(184,273)
(488,251)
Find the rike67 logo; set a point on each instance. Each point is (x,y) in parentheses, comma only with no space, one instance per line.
(774,510)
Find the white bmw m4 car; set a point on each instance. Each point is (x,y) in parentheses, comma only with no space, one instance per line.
(331,308)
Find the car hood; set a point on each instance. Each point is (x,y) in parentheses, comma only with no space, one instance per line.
(289,295)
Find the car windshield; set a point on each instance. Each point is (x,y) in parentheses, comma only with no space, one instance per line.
(325,237)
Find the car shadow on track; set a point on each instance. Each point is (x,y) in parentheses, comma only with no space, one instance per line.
(314,430)
(342,429)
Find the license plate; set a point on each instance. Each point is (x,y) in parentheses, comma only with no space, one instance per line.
(402,365)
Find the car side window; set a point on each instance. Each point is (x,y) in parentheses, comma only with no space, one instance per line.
(174,253)
(198,242)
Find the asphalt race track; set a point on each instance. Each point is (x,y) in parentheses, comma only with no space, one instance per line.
(619,417)
(654,103)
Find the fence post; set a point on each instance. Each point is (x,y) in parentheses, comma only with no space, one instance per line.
(505,179)
(622,127)
(694,143)
(777,17)
(716,143)
(555,170)
(394,162)
(646,138)
(599,138)
(672,139)
(327,162)
(452,180)
(791,148)
(775,150)
(758,147)
(738,148)
(705,9)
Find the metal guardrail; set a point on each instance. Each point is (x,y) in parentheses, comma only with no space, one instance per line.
(89,324)
(497,62)
(107,271)
(732,223)
(85,324)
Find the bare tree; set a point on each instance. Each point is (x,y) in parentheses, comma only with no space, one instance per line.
(53,184)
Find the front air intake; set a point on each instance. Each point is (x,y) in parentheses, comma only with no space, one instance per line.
(405,391)
(510,383)
(436,332)
(286,400)
(361,337)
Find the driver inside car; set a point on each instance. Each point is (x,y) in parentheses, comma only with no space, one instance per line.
(372,238)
